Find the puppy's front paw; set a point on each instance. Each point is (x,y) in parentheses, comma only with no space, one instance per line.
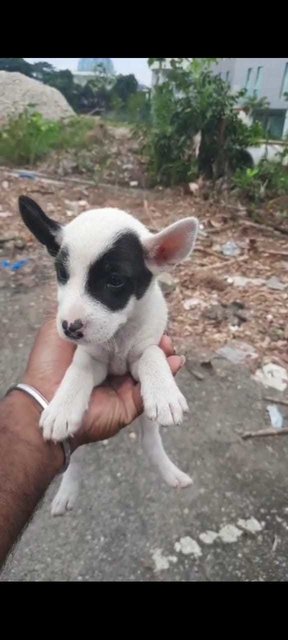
(61,419)
(166,406)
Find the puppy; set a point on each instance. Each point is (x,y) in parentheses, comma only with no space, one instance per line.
(111,306)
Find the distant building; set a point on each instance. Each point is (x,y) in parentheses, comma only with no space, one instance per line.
(262,78)
(91,64)
(88,68)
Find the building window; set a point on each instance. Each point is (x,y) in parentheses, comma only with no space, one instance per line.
(258,80)
(248,85)
(227,77)
(284,86)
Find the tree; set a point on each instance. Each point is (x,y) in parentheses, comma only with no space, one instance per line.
(42,70)
(16,64)
(193,100)
(124,87)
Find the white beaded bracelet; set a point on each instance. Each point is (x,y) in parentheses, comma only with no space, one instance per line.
(31,391)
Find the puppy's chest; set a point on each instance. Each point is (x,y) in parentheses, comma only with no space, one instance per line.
(118,363)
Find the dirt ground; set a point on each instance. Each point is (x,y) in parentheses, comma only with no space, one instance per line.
(127,525)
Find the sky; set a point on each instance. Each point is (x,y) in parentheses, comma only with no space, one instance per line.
(138,66)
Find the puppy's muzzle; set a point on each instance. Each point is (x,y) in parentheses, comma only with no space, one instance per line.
(73,330)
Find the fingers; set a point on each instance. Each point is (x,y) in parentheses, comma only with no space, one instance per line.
(167,346)
(176,363)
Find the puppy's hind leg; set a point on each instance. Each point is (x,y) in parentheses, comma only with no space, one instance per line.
(67,493)
(153,447)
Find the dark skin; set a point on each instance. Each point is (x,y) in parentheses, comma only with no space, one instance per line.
(28,464)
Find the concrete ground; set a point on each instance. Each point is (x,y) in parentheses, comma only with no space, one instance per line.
(129,526)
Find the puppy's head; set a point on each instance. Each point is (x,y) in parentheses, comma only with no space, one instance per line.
(105,261)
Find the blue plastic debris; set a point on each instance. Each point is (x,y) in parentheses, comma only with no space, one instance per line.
(15,266)
(27,174)
(19,265)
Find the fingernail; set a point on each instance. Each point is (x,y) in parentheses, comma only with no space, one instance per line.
(183,360)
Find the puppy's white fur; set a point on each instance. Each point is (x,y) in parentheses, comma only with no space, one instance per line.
(117,341)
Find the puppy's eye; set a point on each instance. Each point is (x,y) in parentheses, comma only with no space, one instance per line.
(115,281)
(62,273)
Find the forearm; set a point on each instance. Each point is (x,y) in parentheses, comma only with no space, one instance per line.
(28,465)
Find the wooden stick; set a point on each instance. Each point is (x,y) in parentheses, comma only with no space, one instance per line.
(226,263)
(220,229)
(264,433)
(266,227)
(210,253)
(282,254)
(285,402)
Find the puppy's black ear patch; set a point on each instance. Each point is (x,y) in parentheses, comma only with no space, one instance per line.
(47,231)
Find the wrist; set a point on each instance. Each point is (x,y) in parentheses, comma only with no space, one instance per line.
(23,414)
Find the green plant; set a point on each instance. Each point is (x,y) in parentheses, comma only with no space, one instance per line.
(189,101)
(139,108)
(267,180)
(29,137)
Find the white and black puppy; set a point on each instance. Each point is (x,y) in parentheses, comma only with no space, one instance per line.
(111,306)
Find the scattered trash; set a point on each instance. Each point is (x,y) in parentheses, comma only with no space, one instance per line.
(5,185)
(73,209)
(167,282)
(133,183)
(251,525)
(230,249)
(162,563)
(193,188)
(15,266)
(275,543)
(190,303)
(188,546)
(272,375)
(237,352)
(29,175)
(229,533)
(20,244)
(275,284)
(233,312)
(208,537)
(5,214)
(241,281)
(276,417)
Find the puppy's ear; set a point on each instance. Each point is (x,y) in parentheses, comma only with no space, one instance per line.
(172,245)
(43,228)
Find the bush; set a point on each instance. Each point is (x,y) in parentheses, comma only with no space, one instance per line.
(29,137)
(268,180)
(190,101)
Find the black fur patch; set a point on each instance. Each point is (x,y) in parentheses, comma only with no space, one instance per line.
(42,227)
(119,273)
(61,266)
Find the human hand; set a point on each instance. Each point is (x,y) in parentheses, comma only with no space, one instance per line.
(113,405)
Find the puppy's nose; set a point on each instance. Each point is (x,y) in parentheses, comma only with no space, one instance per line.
(73,330)
(75,326)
